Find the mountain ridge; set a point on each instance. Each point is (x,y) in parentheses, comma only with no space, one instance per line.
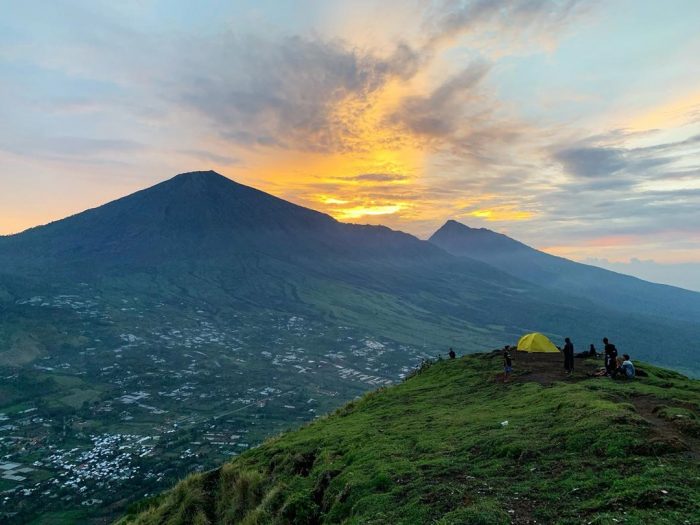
(199,212)
(208,236)
(455,227)
(452,446)
(603,287)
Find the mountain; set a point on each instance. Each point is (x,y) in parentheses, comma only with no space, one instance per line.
(452,446)
(194,215)
(225,245)
(605,288)
(205,238)
(176,327)
(202,238)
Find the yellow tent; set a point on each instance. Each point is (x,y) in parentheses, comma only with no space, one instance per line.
(536,342)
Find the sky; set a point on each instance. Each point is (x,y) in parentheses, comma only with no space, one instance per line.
(571,125)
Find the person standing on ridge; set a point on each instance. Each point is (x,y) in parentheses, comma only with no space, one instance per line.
(568,356)
(451,353)
(610,356)
(507,364)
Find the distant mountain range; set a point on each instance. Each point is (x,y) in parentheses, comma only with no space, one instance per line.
(606,288)
(201,236)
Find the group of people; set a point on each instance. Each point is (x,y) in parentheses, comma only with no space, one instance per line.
(617,367)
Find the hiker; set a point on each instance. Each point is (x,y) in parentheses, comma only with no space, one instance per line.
(617,371)
(625,369)
(507,364)
(610,356)
(568,356)
(589,353)
(451,353)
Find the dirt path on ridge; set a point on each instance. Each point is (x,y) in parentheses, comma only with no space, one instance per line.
(548,369)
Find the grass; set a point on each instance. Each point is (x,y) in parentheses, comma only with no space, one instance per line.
(69,517)
(437,449)
(78,396)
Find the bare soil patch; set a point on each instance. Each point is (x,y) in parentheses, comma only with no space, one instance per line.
(549,368)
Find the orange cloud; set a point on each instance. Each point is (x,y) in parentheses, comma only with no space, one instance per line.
(364,211)
(364,178)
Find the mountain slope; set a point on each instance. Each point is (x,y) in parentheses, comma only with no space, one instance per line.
(603,287)
(192,216)
(202,240)
(451,446)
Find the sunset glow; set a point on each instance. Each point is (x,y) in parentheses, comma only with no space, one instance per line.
(501,214)
(373,112)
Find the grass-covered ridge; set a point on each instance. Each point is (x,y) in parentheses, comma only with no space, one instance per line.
(435,449)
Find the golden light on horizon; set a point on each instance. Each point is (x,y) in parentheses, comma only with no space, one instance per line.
(501,213)
(332,200)
(370,163)
(363,211)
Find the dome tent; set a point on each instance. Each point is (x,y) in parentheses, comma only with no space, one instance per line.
(536,342)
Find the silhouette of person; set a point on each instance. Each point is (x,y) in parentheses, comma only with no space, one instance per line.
(588,353)
(507,364)
(610,356)
(452,354)
(568,356)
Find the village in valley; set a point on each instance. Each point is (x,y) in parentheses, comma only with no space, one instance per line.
(114,415)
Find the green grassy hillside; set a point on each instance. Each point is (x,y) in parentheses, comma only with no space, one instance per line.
(453,445)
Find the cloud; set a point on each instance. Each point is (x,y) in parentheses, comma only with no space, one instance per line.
(498,22)
(376,177)
(440,113)
(649,195)
(591,162)
(286,92)
(82,150)
(209,156)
